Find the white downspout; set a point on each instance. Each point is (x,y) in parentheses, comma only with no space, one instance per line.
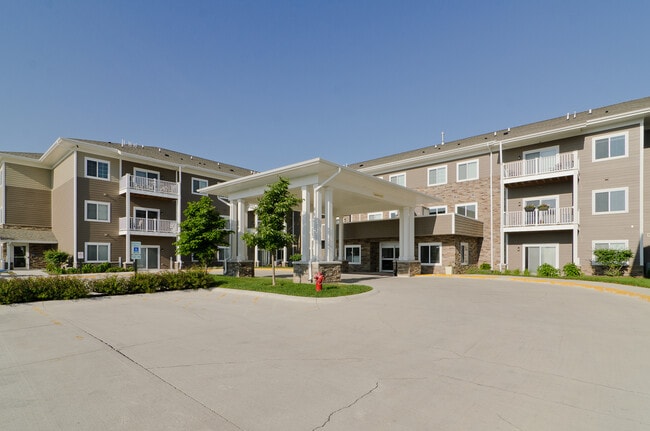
(491,211)
(75,248)
(501,209)
(641,192)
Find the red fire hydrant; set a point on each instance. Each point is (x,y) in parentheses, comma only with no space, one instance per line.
(319,277)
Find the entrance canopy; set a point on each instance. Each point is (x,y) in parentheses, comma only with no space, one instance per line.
(355,192)
(326,189)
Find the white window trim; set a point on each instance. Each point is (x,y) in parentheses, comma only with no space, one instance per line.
(616,189)
(557,253)
(428,244)
(463,260)
(429,184)
(378,215)
(97,203)
(199,179)
(539,150)
(390,177)
(87,159)
(608,241)
(464,205)
(148,171)
(97,244)
(437,207)
(393,214)
(352,246)
(458,180)
(609,136)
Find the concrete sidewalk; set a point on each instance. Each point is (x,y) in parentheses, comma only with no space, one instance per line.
(421,353)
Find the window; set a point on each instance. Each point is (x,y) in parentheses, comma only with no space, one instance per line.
(223,254)
(464,253)
(467,171)
(353,254)
(97,169)
(467,210)
(398,179)
(198,183)
(98,211)
(610,201)
(437,176)
(97,252)
(610,147)
(437,210)
(431,253)
(393,214)
(620,244)
(375,216)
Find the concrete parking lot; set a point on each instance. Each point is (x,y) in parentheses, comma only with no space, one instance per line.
(426,353)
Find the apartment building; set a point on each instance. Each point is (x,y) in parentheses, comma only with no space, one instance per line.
(546,192)
(95,200)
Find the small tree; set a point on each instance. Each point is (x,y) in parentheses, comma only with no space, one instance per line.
(202,231)
(272,211)
(612,260)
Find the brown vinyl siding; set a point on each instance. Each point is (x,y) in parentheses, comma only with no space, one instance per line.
(188,196)
(28,196)
(165,174)
(563,190)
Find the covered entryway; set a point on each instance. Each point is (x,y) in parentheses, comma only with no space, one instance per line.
(25,248)
(328,192)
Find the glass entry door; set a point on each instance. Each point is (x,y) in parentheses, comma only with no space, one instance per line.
(540,254)
(150,257)
(388,252)
(20,256)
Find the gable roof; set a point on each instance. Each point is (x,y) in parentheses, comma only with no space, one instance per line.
(571,124)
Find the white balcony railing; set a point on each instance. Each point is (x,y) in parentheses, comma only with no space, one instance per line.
(558,163)
(550,217)
(148,186)
(147,226)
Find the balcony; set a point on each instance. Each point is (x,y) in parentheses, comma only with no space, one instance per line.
(148,226)
(541,168)
(551,219)
(149,187)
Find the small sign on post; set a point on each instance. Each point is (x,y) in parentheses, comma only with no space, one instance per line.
(136,247)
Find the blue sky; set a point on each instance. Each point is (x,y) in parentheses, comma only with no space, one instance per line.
(262,84)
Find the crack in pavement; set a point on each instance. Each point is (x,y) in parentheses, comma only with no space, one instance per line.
(148,371)
(346,407)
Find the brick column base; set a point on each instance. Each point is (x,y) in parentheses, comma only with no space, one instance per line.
(331,271)
(408,268)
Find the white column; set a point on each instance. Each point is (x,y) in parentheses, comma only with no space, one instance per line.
(330,225)
(128,220)
(256,258)
(316,226)
(406,234)
(305,222)
(242,217)
(576,219)
(341,255)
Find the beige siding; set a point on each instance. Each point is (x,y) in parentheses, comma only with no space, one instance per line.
(28,177)
(63,204)
(468,227)
(609,174)
(518,241)
(373,229)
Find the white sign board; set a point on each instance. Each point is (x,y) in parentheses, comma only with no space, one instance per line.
(136,249)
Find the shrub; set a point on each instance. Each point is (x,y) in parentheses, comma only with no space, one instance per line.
(547,270)
(485,266)
(516,271)
(113,285)
(571,270)
(526,273)
(41,289)
(55,260)
(612,261)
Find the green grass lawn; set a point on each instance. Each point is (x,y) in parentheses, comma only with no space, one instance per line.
(288,287)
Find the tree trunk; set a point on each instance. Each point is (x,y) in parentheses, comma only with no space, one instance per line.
(273,268)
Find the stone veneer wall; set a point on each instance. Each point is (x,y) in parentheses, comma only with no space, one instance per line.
(331,271)
(475,191)
(36,255)
(236,268)
(408,268)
